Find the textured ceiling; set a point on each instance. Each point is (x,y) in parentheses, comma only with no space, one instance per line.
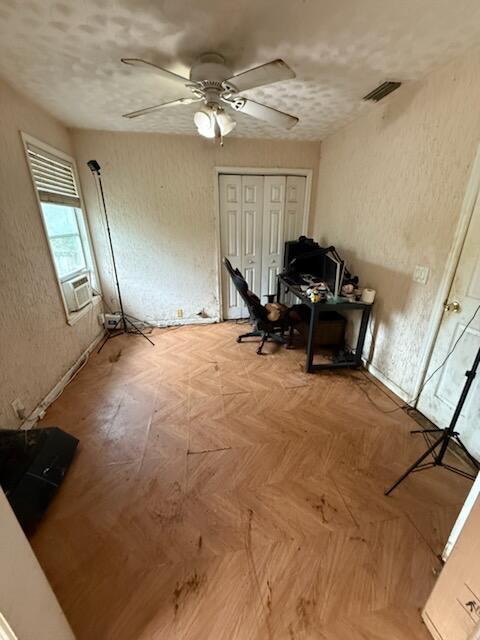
(65,54)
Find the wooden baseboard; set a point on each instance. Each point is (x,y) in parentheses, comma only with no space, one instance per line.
(386,381)
(177,322)
(40,409)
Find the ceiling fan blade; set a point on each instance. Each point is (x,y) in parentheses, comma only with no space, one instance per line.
(264,74)
(157,107)
(262,112)
(169,75)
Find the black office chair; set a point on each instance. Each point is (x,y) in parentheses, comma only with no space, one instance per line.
(264,328)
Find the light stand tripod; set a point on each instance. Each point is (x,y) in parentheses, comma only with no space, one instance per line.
(124,323)
(448,434)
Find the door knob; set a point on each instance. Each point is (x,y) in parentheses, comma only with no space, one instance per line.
(274,261)
(452,306)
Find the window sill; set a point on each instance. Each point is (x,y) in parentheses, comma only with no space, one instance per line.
(74,317)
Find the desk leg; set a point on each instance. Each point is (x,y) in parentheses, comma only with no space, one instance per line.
(279,290)
(361,335)
(311,334)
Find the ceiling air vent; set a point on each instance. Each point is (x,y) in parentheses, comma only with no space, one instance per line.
(381,91)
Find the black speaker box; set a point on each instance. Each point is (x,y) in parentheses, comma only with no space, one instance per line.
(32,466)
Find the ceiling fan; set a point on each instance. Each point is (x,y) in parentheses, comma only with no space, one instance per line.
(212,83)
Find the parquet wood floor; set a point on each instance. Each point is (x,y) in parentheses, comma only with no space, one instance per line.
(221,495)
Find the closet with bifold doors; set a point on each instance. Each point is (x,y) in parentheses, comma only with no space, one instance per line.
(258,214)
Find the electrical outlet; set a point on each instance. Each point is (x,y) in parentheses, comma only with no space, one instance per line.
(420,274)
(179,313)
(19,408)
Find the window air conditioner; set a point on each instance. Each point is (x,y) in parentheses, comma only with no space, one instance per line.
(77,292)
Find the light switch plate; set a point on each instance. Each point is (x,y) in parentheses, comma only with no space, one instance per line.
(420,274)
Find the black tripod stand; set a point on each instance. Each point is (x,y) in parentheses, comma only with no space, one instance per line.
(443,441)
(124,323)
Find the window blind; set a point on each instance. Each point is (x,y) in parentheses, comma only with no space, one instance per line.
(53,177)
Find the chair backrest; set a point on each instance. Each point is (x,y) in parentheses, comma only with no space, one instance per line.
(255,308)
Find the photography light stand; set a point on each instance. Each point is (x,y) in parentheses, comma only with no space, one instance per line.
(124,323)
(449,434)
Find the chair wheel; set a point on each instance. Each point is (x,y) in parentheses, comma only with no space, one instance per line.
(239,339)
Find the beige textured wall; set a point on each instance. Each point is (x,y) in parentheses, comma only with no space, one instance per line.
(36,345)
(160,194)
(389,195)
(26,599)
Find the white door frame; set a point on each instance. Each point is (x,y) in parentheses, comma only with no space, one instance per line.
(256,171)
(472,193)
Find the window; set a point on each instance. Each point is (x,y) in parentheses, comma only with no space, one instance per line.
(65,238)
(54,179)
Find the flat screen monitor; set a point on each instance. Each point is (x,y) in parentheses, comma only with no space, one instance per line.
(333,273)
(296,248)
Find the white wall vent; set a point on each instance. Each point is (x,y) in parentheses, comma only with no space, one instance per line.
(77,292)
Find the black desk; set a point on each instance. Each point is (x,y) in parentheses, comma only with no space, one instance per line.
(338,304)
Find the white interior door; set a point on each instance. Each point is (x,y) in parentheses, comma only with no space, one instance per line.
(441,394)
(294,212)
(241,209)
(252,214)
(257,215)
(273,232)
(230,191)
(294,207)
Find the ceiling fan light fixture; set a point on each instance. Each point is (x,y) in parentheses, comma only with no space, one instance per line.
(205,123)
(213,122)
(225,122)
